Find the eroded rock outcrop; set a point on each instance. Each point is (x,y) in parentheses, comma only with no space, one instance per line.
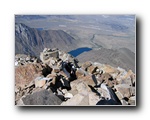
(60,79)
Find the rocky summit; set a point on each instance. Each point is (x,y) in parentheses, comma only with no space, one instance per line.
(57,78)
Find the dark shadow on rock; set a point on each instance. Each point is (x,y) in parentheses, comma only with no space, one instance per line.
(107,102)
(94,79)
(95,91)
(115,100)
(47,70)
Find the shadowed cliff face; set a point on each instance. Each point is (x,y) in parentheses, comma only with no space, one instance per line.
(32,41)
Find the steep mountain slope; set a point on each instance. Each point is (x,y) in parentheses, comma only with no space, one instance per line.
(122,57)
(32,41)
(108,31)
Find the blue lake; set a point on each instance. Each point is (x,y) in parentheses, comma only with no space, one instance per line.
(78,51)
(39,29)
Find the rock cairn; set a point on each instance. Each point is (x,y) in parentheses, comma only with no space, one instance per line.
(21,59)
(59,79)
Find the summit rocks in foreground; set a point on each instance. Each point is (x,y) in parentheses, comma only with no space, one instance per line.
(59,79)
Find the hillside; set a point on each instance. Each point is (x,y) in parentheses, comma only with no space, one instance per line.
(31,40)
(93,31)
(122,57)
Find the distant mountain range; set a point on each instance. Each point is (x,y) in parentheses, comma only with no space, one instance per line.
(32,41)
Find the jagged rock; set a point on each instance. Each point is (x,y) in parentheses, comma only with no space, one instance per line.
(75,100)
(40,81)
(20,102)
(126,78)
(31,84)
(50,53)
(47,54)
(105,92)
(25,74)
(86,65)
(42,97)
(93,98)
(133,79)
(121,74)
(22,59)
(51,75)
(92,69)
(124,89)
(114,75)
(17,89)
(132,91)
(59,77)
(65,83)
(119,95)
(99,78)
(80,73)
(52,61)
(55,69)
(46,70)
(68,95)
(124,102)
(129,73)
(90,80)
(63,74)
(126,81)
(19,94)
(84,101)
(106,77)
(111,83)
(80,86)
(73,91)
(132,100)
(65,57)
(108,69)
(64,91)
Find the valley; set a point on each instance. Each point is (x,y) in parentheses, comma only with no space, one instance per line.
(71,33)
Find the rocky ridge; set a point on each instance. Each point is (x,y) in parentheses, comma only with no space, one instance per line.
(57,78)
(32,41)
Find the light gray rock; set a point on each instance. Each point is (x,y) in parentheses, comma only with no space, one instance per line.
(124,102)
(105,91)
(40,81)
(20,103)
(42,97)
(80,73)
(132,100)
(47,54)
(80,86)
(124,89)
(16,63)
(75,100)
(85,101)
(93,98)
(68,95)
